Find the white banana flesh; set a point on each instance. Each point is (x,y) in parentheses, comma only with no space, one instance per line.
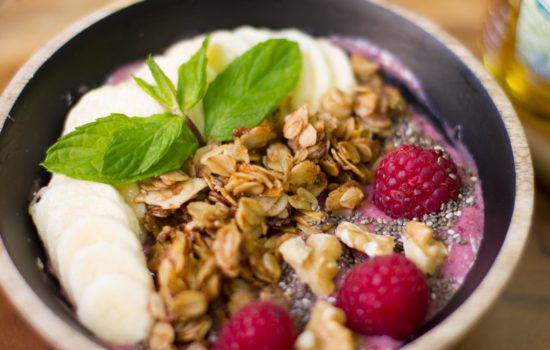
(126,98)
(101,259)
(340,68)
(130,192)
(115,308)
(92,231)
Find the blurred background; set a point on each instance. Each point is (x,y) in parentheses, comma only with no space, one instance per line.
(520,318)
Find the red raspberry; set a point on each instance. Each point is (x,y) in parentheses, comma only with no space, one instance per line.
(387,295)
(259,325)
(411,181)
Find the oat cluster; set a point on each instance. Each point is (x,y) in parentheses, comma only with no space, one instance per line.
(225,228)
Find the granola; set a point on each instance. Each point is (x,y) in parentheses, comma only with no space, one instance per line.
(273,205)
(240,210)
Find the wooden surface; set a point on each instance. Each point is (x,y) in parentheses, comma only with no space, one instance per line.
(520,317)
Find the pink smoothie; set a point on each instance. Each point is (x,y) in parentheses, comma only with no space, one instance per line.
(460,226)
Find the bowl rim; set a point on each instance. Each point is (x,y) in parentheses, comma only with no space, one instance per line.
(444,334)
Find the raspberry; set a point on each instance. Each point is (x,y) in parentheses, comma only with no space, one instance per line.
(259,325)
(411,181)
(387,295)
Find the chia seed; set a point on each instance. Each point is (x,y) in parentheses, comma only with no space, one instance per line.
(441,291)
(300,295)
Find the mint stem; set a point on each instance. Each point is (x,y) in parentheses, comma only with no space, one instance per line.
(195,131)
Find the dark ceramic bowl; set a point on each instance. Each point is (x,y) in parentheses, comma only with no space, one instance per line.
(34,106)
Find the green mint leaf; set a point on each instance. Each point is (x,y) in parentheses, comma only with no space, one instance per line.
(118,149)
(136,148)
(165,86)
(164,92)
(79,154)
(152,91)
(192,78)
(251,87)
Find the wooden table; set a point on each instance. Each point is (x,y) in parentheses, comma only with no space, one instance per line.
(520,318)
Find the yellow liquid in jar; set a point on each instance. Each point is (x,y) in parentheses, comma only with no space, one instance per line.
(528,90)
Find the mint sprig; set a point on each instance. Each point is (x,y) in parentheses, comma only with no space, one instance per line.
(165,92)
(192,79)
(120,149)
(251,87)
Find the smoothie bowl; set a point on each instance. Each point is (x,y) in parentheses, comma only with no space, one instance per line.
(310,175)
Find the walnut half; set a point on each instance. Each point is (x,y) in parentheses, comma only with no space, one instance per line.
(314,260)
(364,241)
(422,248)
(325,330)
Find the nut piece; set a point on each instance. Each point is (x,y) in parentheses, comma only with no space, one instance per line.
(313,260)
(364,241)
(176,195)
(325,330)
(421,247)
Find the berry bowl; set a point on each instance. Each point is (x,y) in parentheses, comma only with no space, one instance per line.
(442,81)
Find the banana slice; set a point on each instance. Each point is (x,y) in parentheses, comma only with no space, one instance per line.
(63,189)
(89,231)
(250,35)
(224,47)
(129,192)
(58,217)
(58,194)
(340,67)
(61,186)
(115,308)
(185,48)
(316,78)
(102,259)
(126,98)
(59,179)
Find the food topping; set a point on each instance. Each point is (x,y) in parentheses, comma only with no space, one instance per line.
(258,325)
(170,195)
(412,181)
(422,248)
(344,198)
(326,330)
(387,295)
(314,260)
(364,241)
